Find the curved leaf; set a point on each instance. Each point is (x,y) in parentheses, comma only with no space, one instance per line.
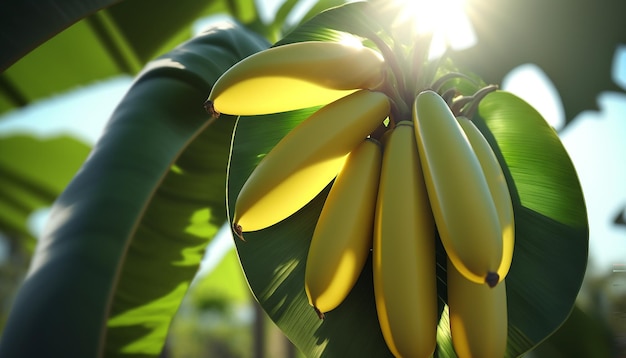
(551,221)
(127,235)
(332,24)
(524,139)
(551,245)
(26,24)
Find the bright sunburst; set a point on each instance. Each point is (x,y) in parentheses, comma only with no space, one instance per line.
(445,19)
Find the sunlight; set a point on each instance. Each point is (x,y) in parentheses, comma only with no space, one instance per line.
(445,19)
(350,40)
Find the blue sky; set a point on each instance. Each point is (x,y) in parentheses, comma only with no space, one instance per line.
(595,140)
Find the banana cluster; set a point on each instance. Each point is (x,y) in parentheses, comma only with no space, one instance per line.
(394,187)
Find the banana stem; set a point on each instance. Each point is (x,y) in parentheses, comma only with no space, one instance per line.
(472,108)
(438,84)
(399,109)
(210,109)
(378,133)
(391,60)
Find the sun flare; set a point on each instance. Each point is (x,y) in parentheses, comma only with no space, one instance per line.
(445,19)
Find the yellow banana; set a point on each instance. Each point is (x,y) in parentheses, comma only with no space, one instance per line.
(342,238)
(404,250)
(498,188)
(478,317)
(295,76)
(465,214)
(307,159)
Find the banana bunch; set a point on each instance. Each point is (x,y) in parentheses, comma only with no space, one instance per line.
(396,183)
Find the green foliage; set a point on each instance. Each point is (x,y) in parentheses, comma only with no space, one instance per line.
(126,236)
(31,176)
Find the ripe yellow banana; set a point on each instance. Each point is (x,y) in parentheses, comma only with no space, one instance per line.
(498,188)
(342,238)
(478,317)
(307,159)
(465,214)
(404,250)
(295,76)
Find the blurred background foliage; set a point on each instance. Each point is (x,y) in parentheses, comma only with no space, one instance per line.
(54,46)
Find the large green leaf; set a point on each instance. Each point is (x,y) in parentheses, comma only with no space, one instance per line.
(551,246)
(127,235)
(549,261)
(55,45)
(551,221)
(33,172)
(26,23)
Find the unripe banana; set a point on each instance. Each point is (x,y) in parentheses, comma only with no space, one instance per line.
(465,214)
(295,76)
(404,250)
(342,238)
(307,159)
(498,188)
(478,317)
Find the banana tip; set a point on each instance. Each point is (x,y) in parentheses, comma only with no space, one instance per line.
(320,314)
(492,279)
(238,231)
(210,108)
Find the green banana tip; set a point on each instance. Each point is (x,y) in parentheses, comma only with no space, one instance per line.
(210,108)
(492,279)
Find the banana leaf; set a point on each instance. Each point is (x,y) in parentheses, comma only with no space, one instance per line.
(126,237)
(551,227)
(104,37)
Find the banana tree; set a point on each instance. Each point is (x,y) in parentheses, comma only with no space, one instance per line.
(126,236)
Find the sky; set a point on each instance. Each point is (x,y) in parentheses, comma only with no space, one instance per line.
(595,141)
